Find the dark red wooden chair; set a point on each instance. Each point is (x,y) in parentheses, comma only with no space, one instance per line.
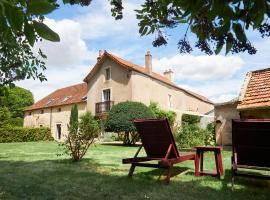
(250,147)
(159,145)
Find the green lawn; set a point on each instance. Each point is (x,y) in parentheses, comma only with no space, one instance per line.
(33,171)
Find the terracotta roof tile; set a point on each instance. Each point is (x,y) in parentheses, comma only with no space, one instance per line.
(135,67)
(64,96)
(257,93)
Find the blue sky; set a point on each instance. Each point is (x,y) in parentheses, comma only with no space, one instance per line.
(86,30)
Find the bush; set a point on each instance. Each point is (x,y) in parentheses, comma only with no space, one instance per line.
(190,119)
(161,114)
(81,134)
(20,134)
(190,135)
(210,138)
(121,116)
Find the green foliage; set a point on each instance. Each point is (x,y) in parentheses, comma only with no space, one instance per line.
(190,135)
(21,26)
(20,134)
(121,116)
(4,116)
(214,23)
(210,135)
(190,119)
(16,99)
(73,121)
(161,114)
(81,135)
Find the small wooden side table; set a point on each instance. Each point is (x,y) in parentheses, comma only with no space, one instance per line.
(199,161)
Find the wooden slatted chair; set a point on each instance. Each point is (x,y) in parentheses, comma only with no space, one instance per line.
(250,148)
(159,145)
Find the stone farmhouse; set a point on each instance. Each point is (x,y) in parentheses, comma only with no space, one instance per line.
(253,103)
(113,80)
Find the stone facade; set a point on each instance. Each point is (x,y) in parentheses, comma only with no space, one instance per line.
(114,80)
(55,118)
(224,113)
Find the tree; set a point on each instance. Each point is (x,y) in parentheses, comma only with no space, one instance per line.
(21,26)
(4,116)
(161,114)
(121,116)
(215,23)
(16,99)
(81,134)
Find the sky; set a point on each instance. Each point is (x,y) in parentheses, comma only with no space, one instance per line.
(86,30)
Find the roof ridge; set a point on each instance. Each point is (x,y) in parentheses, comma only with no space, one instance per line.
(168,81)
(261,70)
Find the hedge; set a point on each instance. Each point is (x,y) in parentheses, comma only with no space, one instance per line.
(20,134)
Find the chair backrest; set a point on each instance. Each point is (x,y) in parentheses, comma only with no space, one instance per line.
(251,142)
(156,137)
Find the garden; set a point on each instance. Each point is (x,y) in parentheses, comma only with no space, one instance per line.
(32,170)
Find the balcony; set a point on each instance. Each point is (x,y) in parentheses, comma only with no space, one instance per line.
(103,107)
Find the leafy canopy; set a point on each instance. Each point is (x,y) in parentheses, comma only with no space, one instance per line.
(121,116)
(16,99)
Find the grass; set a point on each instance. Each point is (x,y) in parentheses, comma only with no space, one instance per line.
(33,171)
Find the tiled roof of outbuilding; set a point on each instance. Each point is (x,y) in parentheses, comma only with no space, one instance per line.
(257,91)
(64,96)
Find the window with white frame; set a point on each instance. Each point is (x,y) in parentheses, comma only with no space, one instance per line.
(107,73)
(169,100)
(106,95)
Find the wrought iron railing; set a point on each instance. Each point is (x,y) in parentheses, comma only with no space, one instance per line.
(103,107)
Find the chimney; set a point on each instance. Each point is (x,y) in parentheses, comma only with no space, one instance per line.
(168,74)
(148,62)
(100,53)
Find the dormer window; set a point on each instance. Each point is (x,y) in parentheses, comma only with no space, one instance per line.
(107,73)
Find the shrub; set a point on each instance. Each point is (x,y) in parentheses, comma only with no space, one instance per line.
(161,114)
(81,134)
(121,116)
(190,135)
(4,116)
(190,119)
(210,138)
(20,134)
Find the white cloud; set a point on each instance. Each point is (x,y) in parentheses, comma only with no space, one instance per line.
(217,91)
(68,61)
(98,23)
(71,50)
(197,68)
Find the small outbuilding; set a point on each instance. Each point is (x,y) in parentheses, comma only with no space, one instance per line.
(253,103)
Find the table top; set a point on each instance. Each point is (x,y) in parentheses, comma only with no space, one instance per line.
(209,148)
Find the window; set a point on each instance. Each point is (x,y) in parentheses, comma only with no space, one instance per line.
(107,73)
(30,113)
(40,125)
(169,100)
(59,109)
(106,95)
(42,111)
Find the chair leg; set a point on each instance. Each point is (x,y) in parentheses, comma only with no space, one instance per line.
(217,165)
(167,180)
(131,170)
(197,163)
(232,178)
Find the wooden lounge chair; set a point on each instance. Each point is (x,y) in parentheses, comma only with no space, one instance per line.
(159,145)
(250,148)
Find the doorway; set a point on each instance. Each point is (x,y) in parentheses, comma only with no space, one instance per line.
(58,131)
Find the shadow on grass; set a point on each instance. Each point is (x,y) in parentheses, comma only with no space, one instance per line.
(62,179)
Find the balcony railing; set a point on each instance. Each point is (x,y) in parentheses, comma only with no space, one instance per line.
(103,107)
